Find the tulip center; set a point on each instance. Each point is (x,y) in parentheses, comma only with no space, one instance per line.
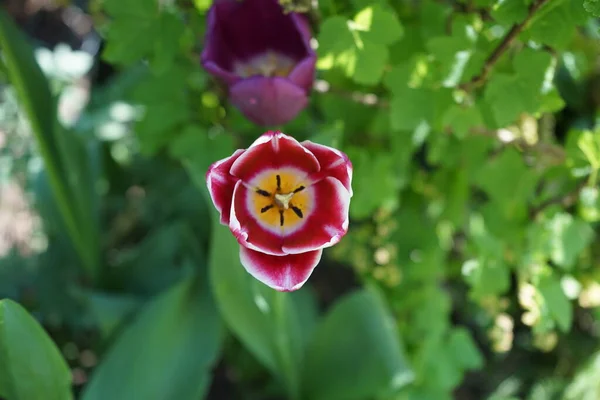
(281,200)
(270,63)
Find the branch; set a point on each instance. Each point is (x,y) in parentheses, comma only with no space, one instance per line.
(565,200)
(506,42)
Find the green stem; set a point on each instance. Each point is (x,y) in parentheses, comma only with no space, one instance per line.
(283,346)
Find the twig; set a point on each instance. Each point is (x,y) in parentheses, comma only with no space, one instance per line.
(566,200)
(508,39)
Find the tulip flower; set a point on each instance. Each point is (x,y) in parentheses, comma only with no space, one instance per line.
(285,202)
(263,56)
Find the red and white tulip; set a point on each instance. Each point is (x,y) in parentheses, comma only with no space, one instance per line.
(285,202)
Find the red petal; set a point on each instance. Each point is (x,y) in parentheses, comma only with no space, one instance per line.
(274,150)
(247,229)
(333,163)
(328,221)
(221,183)
(282,273)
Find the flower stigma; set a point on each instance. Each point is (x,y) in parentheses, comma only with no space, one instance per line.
(284,204)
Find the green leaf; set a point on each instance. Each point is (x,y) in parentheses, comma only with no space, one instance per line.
(31,365)
(265,321)
(370,193)
(64,154)
(486,276)
(452,55)
(410,107)
(167,352)
(569,237)
(379,25)
(584,385)
(592,6)
(461,119)
(337,367)
(556,302)
(198,150)
(509,95)
(108,310)
(464,350)
(371,59)
(165,103)
(141,30)
(359,47)
(508,12)
(510,196)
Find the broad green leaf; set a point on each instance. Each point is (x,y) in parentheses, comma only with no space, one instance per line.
(359,48)
(167,352)
(370,193)
(592,6)
(510,196)
(265,321)
(555,28)
(460,120)
(569,237)
(142,29)
(63,153)
(379,25)
(165,104)
(556,302)
(109,311)
(584,385)
(509,95)
(452,54)
(337,365)
(509,12)
(464,350)
(486,276)
(410,107)
(31,366)
(589,204)
(198,150)
(371,59)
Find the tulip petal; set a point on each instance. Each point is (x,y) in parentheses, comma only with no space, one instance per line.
(268,101)
(251,27)
(282,273)
(274,150)
(221,184)
(333,163)
(327,222)
(303,73)
(246,228)
(217,57)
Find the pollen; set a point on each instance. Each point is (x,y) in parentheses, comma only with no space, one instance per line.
(281,200)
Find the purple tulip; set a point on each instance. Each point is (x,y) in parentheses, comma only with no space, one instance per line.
(264,57)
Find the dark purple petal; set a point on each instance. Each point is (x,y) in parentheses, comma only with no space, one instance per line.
(217,58)
(303,73)
(240,30)
(268,101)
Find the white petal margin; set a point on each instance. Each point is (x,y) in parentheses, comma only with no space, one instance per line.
(282,273)
(220,184)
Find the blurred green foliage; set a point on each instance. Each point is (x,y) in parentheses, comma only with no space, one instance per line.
(471,269)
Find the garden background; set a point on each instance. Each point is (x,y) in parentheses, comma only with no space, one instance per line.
(471,269)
